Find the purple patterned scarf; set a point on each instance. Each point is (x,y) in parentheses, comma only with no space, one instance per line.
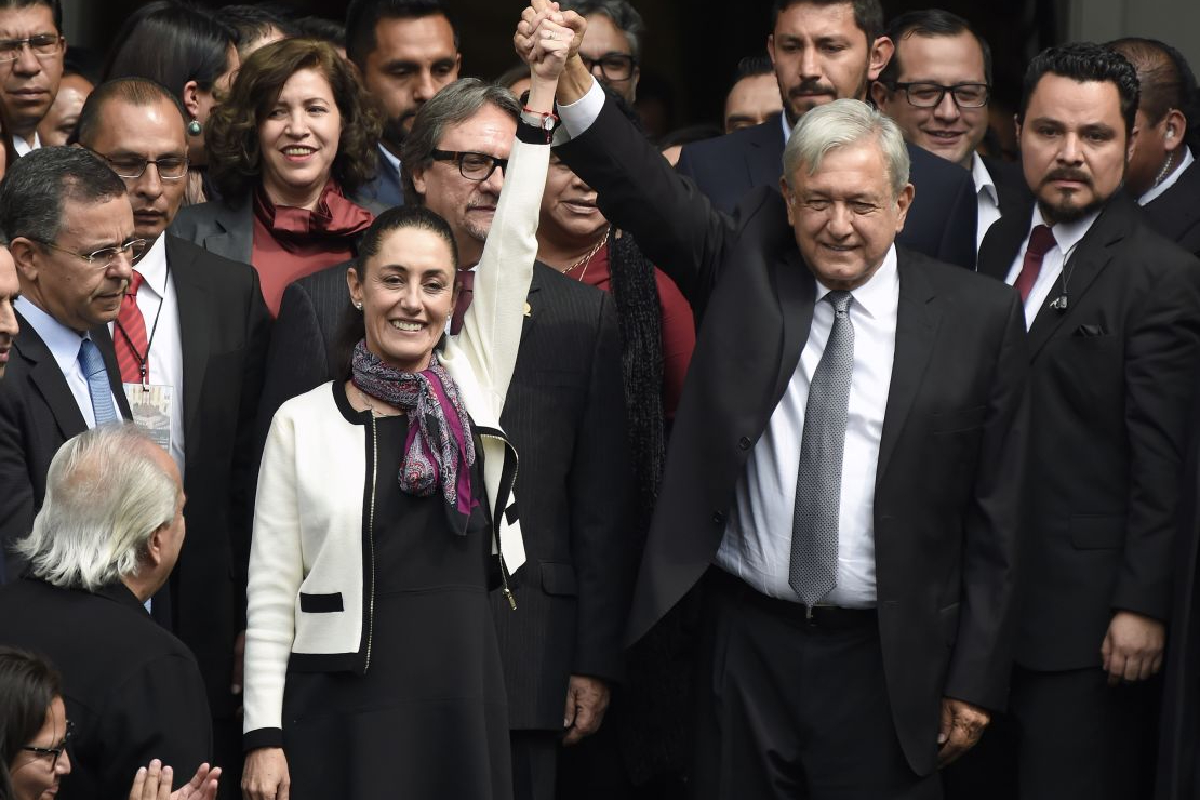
(439,449)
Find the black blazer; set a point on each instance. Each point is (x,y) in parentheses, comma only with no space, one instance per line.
(1110,385)
(941,221)
(1176,212)
(224,330)
(1011,188)
(945,497)
(37,414)
(132,689)
(565,414)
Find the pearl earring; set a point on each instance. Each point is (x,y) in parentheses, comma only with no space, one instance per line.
(358,306)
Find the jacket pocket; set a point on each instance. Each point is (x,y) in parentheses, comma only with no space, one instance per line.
(558,578)
(1097,531)
(321,603)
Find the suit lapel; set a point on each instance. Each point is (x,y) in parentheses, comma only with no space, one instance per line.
(917,318)
(234,238)
(764,156)
(192,298)
(104,344)
(795,291)
(48,380)
(1003,241)
(1091,256)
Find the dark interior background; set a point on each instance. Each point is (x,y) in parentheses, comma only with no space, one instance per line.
(690,48)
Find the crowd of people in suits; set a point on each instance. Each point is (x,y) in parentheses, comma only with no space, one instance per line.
(369,430)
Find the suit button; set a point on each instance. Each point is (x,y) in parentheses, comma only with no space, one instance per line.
(718,517)
(743,443)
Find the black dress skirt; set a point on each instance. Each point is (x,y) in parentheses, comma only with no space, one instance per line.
(428,720)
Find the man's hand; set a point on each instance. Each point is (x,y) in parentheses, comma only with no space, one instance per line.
(1132,648)
(266,776)
(532,18)
(587,700)
(154,783)
(239,654)
(962,725)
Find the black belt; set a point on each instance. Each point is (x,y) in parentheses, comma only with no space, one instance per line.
(817,618)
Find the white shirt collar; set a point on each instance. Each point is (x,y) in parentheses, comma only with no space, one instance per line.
(787,129)
(62,341)
(983,179)
(880,290)
(1066,234)
(24,146)
(391,159)
(153,266)
(1156,191)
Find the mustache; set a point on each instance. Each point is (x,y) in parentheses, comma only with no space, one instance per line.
(811,86)
(1067,175)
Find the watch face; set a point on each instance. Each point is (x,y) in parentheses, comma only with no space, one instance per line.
(548,123)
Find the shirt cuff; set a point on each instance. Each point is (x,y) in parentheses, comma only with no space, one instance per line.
(579,116)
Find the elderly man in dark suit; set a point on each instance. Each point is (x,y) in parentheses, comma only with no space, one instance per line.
(71,233)
(842,466)
(823,50)
(102,545)
(1113,311)
(564,412)
(191,339)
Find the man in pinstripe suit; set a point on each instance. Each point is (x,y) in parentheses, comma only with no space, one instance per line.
(565,413)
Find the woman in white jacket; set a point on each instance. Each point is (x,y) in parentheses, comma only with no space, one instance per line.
(382,517)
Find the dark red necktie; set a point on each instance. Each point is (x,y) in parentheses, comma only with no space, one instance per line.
(463,301)
(1041,239)
(130,341)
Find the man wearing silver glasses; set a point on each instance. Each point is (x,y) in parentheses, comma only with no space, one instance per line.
(612,43)
(190,342)
(69,226)
(936,88)
(31,64)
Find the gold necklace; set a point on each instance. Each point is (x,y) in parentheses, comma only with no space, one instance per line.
(586,261)
(371,406)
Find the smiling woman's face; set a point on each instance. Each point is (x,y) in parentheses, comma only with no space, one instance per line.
(569,204)
(35,776)
(299,138)
(407,295)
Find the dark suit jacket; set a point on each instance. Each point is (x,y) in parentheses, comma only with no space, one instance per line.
(565,413)
(941,221)
(1176,212)
(1111,382)
(131,688)
(224,330)
(37,414)
(1010,183)
(385,190)
(945,519)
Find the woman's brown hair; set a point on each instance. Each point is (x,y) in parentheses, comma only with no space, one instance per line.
(231,134)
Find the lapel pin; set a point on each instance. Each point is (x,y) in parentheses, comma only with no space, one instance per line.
(528,310)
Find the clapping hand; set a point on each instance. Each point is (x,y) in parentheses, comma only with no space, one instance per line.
(154,783)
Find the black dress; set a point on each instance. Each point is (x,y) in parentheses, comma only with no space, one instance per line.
(429,718)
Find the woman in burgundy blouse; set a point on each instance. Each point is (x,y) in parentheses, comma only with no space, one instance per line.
(288,149)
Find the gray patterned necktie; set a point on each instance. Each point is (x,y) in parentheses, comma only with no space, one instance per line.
(812,571)
(96,374)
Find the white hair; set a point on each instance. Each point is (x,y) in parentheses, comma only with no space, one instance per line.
(105,497)
(841,123)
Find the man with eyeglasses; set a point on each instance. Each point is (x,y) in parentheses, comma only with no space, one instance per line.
(936,87)
(565,413)
(70,230)
(612,44)
(823,50)
(31,64)
(190,340)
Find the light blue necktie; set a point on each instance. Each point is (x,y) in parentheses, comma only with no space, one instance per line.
(97,378)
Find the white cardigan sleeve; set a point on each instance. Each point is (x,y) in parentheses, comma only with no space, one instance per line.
(491,332)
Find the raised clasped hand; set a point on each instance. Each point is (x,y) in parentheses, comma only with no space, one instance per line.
(547,35)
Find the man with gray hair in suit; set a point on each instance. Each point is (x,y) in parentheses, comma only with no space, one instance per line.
(104,541)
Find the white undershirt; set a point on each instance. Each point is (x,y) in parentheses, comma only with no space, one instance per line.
(757,544)
(23,146)
(1066,236)
(1156,191)
(987,200)
(166,348)
(63,344)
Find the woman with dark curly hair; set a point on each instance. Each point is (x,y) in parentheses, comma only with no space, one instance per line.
(294,141)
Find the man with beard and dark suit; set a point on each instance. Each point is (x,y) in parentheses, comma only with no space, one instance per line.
(1163,173)
(564,412)
(190,339)
(71,234)
(1113,311)
(823,50)
(841,470)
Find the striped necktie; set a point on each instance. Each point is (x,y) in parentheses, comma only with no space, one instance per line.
(97,379)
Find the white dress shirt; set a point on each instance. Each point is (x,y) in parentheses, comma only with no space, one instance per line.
(390,159)
(64,345)
(1169,181)
(166,348)
(757,545)
(24,146)
(987,200)
(1066,236)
